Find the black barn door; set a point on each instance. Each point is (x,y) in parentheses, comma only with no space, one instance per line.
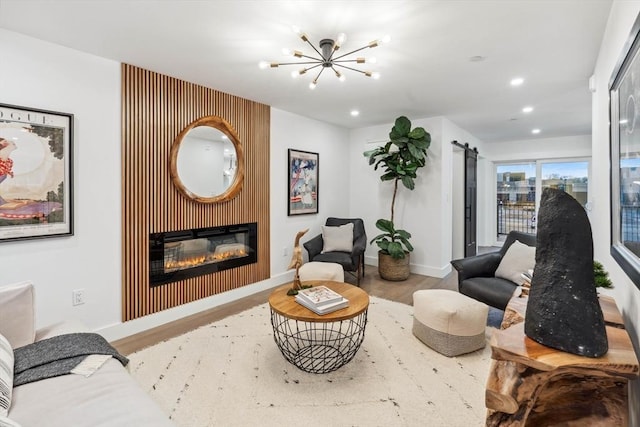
(470,200)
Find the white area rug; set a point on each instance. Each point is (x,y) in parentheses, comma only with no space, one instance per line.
(231,373)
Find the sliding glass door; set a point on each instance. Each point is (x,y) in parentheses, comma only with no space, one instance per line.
(519,186)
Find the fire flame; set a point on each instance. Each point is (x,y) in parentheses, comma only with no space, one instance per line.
(196,261)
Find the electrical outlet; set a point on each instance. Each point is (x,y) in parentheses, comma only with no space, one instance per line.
(77,297)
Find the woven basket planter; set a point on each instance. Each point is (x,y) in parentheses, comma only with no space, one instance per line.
(393,269)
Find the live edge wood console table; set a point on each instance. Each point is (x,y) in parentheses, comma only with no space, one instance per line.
(533,385)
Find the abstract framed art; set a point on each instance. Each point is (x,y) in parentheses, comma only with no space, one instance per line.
(303,182)
(624,111)
(36,197)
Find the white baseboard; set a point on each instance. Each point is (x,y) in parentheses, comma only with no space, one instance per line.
(121,330)
(424,270)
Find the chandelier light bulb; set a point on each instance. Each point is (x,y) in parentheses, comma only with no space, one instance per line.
(299,33)
(342,37)
(313,85)
(295,74)
(386,39)
(263,64)
(375,75)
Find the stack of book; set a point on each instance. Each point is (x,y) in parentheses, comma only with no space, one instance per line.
(321,300)
(527,276)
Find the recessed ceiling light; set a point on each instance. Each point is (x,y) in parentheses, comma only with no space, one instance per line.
(527,109)
(355,113)
(535,131)
(517,81)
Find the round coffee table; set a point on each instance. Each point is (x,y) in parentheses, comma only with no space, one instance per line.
(319,343)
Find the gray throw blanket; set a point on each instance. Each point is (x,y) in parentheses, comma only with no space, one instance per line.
(58,355)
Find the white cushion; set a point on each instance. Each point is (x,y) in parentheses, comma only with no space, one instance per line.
(518,259)
(321,271)
(337,239)
(109,397)
(450,312)
(6,375)
(17,313)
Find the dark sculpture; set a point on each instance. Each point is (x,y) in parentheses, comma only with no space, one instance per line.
(563,311)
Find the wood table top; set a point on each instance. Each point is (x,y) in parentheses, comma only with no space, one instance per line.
(287,306)
(512,344)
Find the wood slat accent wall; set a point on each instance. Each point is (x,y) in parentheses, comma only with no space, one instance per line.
(155,108)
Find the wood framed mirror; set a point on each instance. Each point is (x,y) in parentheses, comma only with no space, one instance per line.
(207,161)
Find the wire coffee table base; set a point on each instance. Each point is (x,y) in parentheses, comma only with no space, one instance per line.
(318,347)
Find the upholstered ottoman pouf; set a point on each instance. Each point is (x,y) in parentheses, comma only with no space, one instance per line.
(449,322)
(321,271)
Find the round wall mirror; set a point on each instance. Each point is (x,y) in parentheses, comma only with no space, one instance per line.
(207,162)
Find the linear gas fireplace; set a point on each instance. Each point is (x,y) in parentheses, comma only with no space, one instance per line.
(179,255)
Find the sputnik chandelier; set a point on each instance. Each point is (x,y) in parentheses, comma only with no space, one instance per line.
(327,58)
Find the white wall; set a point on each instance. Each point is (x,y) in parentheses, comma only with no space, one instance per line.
(426,212)
(541,148)
(416,211)
(46,76)
(457,197)
(331,143)
(627,295)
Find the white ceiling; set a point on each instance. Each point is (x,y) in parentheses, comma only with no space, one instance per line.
(426,69)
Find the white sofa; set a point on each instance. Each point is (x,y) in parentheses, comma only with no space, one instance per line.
(108,397)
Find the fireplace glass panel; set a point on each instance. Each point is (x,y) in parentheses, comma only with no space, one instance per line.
(183,254)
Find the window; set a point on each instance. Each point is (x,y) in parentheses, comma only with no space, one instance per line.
(571,177)
(519,186)
(516,197)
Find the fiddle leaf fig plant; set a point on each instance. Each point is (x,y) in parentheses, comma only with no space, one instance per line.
(399,159)
(393,242)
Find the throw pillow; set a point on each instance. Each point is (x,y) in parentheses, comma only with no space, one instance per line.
(17,313)
(337,239)
(6,375)
(518,259)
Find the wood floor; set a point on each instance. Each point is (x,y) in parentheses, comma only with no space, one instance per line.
(371,283)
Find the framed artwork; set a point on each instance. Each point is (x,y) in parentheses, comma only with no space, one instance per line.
(303,183)
(624,111)
(35,173)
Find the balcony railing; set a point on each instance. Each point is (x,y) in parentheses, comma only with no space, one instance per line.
(518,216)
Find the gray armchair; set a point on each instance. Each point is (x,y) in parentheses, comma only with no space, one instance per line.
(351,262)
